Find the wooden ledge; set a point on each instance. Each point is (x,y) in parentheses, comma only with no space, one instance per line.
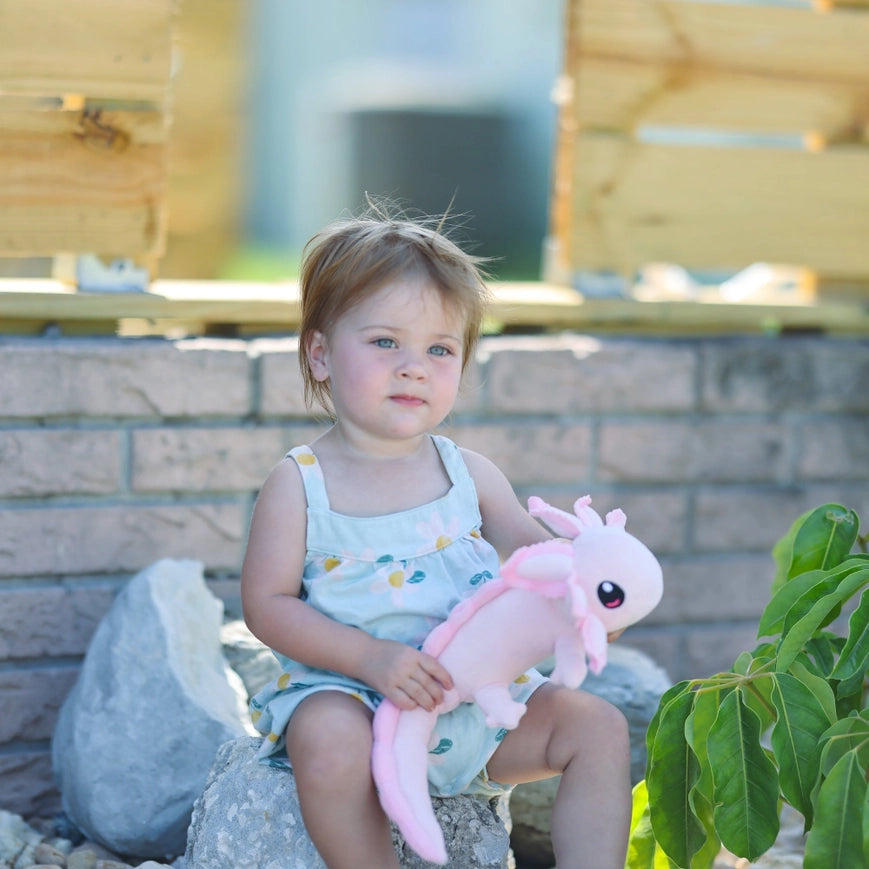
(173,308)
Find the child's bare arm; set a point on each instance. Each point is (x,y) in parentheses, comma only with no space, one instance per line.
(271,581)
(507,525)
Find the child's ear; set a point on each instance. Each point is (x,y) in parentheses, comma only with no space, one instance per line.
(318,356)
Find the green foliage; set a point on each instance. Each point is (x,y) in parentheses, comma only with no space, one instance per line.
(788,723)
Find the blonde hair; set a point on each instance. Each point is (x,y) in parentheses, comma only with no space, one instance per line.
(351,259)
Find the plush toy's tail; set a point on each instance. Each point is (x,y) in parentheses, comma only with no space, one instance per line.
(399,763)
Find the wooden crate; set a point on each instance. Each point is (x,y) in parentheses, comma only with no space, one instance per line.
(84,123)
(713,136)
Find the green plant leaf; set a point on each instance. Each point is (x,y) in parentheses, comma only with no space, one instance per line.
(820,688)
(652,730)
(847,734)
(641,844)
(773,617)
(823,650)
(819,539)
(802,719)
(673,771)
(830,582)
(836,838)
(745,780)
(803,630)
(793,600)
(856,652)
(643,851)
(706,704)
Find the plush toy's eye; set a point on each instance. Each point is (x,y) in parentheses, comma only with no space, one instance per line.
(610,595)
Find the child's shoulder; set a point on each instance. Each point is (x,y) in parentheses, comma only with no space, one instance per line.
(284,481)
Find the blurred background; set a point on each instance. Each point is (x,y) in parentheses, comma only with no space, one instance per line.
(301,108)
(438,103)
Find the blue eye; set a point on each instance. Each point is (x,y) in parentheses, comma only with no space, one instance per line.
(386,343)
(440,350)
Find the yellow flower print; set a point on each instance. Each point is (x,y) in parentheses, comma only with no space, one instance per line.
(331,563)
(521,680)
(255,716)
(306,459)
(283,680)
(396,579)
(435,530)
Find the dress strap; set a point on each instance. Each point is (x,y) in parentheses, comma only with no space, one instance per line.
(312,476)
(455,465)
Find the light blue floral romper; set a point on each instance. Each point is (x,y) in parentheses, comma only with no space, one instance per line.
(397,577)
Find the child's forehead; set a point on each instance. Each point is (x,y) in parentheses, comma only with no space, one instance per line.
(410,297)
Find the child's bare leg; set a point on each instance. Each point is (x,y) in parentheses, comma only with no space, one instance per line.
(329,745)
(586,739)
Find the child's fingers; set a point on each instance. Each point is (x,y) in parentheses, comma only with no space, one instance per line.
(435,669)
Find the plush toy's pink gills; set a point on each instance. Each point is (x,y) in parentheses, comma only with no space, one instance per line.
(557,598)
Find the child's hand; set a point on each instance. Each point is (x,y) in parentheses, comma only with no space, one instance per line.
(408,677)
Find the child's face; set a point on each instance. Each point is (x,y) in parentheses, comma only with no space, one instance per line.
(394,361)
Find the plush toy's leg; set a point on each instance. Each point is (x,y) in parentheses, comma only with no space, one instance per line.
(570,664)
(399,764)
(500,708)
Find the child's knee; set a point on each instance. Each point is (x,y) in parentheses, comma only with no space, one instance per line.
(330,741)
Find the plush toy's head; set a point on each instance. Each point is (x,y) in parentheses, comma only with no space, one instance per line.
(620,577)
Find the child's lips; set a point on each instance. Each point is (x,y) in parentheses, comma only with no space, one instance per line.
(408,400)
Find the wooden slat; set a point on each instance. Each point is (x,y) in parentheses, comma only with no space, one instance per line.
(210,113)
(30,305)
(718,207)
(75,182)
(619,94)
(99,48)
(795,42)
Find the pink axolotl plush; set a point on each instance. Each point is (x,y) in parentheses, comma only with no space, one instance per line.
(559,597)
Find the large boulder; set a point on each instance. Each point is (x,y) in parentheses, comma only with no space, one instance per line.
(248,818)
(155,699)
(634,683)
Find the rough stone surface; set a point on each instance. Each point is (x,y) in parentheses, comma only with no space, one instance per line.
(632,682)
(248,818)
(254,662)
(155,699)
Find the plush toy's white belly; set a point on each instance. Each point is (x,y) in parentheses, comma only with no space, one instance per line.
(511,633)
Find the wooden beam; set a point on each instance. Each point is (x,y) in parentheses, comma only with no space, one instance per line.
(90,181)
(98,48)
(625,94)
(207,306)
(776,41)
(718,208)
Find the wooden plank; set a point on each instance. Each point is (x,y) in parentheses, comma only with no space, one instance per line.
(619,94)
(99,48)
(76,182)
(209,111)
(718,207)
(199,306)
(800,43)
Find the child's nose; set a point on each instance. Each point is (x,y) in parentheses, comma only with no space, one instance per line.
(412,366)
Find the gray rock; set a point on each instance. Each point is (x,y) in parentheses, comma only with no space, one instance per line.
(248,818)
(254,662)
(632,682)
(154,700)
(17,838)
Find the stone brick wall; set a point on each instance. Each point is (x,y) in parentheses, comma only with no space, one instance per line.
(116,452)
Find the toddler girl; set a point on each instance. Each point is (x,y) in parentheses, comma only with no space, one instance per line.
(364,540)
